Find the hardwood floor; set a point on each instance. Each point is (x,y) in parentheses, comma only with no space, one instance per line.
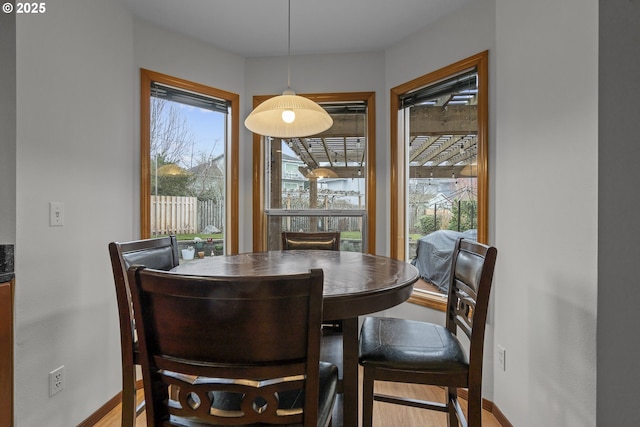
(385,415)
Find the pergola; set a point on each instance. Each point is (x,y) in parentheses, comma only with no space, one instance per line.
(442,141)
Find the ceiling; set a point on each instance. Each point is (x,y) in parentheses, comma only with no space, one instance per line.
(257,28)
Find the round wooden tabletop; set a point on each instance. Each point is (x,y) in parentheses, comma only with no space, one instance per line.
(354,283)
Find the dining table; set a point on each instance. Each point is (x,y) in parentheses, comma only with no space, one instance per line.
(355,284)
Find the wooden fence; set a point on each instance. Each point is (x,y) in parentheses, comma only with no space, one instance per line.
(184,215)
(210,213)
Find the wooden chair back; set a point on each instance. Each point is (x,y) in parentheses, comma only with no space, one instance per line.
(232,347)
(329,241)
(468,300)
(162,254)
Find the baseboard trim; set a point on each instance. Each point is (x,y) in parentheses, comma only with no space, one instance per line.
(106,408)
(500,417)
(102,411)
(488,406)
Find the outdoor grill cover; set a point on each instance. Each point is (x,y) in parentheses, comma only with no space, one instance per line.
(434,253)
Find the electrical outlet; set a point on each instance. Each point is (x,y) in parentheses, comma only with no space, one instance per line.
(502,354)
(56,380)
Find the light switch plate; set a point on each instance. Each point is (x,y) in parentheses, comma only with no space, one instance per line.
(502,361)
(56,214)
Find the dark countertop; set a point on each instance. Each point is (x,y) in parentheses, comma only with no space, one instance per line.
(6,263)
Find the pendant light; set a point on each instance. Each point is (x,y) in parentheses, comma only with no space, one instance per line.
(288,115)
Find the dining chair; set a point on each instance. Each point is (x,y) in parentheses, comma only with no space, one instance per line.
(235,350)
(162,254)
(324,240)
(329,240)
(416,352)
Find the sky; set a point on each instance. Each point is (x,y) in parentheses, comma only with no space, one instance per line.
(207,127)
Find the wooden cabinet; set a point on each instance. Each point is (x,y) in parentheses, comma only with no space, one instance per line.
(6,353)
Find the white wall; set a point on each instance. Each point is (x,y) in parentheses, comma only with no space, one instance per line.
(546,176)
(74,145)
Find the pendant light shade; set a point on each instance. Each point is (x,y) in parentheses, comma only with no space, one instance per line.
(288,115)
(322,173)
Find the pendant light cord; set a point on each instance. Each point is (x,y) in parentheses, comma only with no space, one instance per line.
(267,118)
(289,49)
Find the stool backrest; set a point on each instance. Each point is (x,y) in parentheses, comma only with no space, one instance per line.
(469,288)
(329,241)
(161,254)
(233,346)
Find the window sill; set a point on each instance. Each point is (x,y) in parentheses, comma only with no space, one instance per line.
(427,295)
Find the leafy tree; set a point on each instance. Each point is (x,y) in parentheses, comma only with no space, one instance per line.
(428,224)
(420,193)
(174,185)
(464,215)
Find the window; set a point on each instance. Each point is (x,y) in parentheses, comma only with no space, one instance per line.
(439,168)
(189,156)
(324,182)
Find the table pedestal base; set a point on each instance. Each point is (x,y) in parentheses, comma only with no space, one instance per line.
(341,349)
